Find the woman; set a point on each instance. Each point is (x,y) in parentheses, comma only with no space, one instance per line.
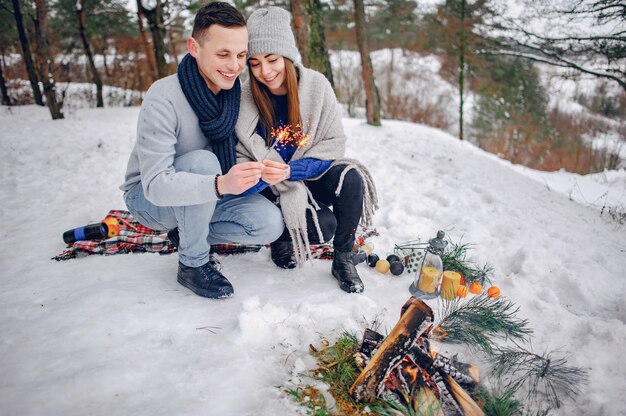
(289,120)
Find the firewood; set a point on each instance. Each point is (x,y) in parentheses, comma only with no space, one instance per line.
(467,404)
(449,404)
(467,374)
(416,320)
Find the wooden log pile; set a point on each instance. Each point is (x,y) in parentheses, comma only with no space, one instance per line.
(402,367)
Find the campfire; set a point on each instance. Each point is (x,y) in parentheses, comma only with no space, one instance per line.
(404,368)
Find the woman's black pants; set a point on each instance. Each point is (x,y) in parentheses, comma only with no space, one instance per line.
(344,218)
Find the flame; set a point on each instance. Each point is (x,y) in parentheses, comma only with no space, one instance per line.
(433,353)
(288,136)
(390,383)
(441,332)
(410,368)
(412,371)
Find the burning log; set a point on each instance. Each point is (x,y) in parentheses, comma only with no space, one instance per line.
(403,368)
(467,404)
(449,404)
(416,319)
(466,374)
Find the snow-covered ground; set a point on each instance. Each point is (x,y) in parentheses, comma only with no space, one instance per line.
(119,336)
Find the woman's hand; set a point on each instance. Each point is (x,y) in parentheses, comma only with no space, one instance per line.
(275,172)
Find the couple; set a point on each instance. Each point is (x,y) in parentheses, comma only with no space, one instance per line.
(211,165)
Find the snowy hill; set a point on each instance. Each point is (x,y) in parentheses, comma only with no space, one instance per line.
(119,336)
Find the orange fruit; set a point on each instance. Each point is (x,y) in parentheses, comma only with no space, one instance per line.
(476,288)
(494,291)
(462,291)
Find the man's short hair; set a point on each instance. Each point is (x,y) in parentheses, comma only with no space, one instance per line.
(216,13)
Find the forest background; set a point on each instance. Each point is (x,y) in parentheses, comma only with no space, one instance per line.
(541,84)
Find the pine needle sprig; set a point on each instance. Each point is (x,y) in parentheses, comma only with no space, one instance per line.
(337,368)
(500,402)
(478,321)
(455,258)
(545,374)
(393,408)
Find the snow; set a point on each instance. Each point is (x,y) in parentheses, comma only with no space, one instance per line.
(118,335)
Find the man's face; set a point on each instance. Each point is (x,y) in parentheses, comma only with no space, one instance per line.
(221,55)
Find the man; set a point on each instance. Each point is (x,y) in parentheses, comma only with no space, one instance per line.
(182,173)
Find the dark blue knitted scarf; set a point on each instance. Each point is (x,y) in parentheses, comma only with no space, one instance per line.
(217,114)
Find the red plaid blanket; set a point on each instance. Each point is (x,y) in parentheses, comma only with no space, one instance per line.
(134,238)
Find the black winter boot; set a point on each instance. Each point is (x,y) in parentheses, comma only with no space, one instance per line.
(174,238)
(344,271)
(205,281)
(282,254)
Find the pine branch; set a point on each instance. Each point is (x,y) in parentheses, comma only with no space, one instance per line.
(545,374)
(455,259)
(478,321)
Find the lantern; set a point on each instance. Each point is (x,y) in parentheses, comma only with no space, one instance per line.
(430,269)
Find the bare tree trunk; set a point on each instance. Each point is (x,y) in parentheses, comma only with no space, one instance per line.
(80,11)
(372,103)
(6,99)
(105,63)
(146,45)
(462,70)
(173,50)
(41,25)
(157,29)
(28,57)
(300,29)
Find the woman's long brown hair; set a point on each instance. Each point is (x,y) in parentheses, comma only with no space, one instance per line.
(261,96)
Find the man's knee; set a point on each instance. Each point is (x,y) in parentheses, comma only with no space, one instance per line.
(201,162)
(265,221)
(272,223)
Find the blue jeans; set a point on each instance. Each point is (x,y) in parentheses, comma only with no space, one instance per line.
(234,219)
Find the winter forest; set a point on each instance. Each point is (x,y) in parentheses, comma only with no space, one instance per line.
(502,123)
(504,75)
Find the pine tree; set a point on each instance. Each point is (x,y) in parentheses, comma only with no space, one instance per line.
(511,111)
(458,30)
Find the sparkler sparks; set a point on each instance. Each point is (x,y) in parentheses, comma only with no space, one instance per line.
(288,136)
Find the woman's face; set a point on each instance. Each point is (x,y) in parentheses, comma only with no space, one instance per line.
(269,70)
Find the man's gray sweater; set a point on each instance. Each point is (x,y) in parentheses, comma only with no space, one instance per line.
(168,128)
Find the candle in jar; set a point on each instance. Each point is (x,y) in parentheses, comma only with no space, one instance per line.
(429,278)
(450,284)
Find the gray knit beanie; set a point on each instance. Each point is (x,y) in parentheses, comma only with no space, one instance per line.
(269,32)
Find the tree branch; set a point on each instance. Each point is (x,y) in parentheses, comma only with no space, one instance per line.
(563,63)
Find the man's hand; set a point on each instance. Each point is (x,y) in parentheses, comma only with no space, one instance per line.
(240,177)
(275,172)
